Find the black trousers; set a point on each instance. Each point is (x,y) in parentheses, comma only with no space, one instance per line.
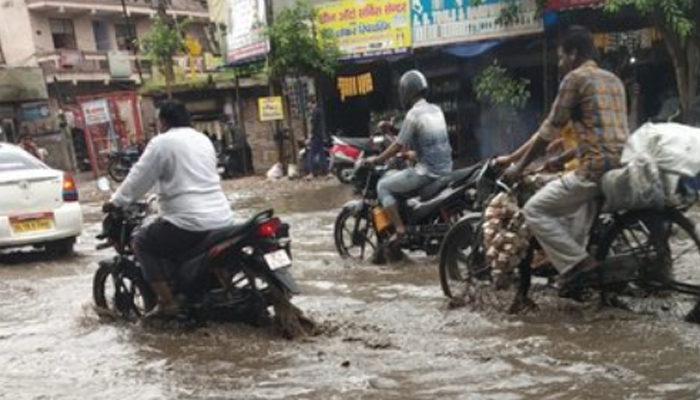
(159,245)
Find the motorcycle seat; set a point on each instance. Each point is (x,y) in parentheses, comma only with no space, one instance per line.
(360,143)
(432,190)
(219,235)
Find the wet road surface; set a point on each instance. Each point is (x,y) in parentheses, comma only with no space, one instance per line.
(389,335)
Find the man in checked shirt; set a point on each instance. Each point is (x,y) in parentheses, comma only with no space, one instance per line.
(560,215)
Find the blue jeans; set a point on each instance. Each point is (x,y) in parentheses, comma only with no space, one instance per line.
(316,151)
(400,183)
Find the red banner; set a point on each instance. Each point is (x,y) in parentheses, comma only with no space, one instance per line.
(566,4)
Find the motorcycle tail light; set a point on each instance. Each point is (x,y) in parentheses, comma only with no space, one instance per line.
(268,228)
(70,190)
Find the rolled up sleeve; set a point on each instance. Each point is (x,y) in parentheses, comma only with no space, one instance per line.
(561,109)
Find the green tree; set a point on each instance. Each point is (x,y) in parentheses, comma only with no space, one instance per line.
(496,86)
(679,23)
(298,48)
(162,43)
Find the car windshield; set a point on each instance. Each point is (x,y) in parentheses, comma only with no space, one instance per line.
(15,161)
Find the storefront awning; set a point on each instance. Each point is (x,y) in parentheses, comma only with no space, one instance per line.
(563,5)
(471,49)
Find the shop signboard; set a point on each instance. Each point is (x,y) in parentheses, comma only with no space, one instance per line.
(438,22)
(367,27)
(119,64)
(96,112)
(35,111)
(245,38)
(270,108)
(566,4)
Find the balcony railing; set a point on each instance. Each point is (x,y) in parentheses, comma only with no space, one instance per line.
(74,65)
(184,8)
(83,65)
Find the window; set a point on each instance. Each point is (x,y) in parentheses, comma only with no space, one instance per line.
(101,31)
(121,31)
(15,160)
(63,34)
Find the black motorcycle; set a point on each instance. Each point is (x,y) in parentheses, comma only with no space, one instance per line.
(362,228)
(234,274)
(120,162)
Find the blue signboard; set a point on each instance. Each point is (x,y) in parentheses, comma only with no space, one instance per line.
(437,22)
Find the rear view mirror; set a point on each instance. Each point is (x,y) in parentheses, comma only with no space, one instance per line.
(103,185)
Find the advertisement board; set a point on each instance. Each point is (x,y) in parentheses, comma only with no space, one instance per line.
(566,4)
(438,22)
(96,112)
(270,109)
(367,27)
(245,39)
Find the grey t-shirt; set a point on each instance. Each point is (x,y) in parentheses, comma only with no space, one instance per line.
(425,131)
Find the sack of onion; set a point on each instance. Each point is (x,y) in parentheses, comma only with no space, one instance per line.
(506,237)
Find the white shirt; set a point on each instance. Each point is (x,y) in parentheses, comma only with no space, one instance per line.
(181,165)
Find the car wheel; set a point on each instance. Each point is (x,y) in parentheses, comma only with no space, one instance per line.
(63,247)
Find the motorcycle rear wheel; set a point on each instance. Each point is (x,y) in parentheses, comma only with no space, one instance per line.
(130,297)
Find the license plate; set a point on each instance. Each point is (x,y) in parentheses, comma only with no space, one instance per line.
(31,225)
(278,259)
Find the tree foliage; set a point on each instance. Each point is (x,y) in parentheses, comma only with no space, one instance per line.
(298,48)
(163,42)
(511,10)
(497,86)
(679,23)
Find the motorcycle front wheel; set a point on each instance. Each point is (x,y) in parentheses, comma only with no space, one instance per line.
(344,174)
(127,294)
(354,233)
(116,170)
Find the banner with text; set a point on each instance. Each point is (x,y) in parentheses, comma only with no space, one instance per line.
(270,109)
(437,22)
(368,27)
(245,39)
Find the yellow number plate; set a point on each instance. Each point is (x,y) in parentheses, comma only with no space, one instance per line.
(32,225)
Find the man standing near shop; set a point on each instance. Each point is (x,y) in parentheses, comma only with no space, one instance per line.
(316,143)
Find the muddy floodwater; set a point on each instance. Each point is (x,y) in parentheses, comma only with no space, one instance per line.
(389,335)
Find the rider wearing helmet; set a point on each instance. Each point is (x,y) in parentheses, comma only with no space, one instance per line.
(424,131)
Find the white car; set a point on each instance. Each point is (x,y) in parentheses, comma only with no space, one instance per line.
(38,205)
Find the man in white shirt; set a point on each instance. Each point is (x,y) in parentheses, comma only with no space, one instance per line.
(181,165)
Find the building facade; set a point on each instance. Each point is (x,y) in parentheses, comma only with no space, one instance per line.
(86,51)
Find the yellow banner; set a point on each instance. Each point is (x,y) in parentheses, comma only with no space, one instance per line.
(350,86)
(270,109)
(367,27)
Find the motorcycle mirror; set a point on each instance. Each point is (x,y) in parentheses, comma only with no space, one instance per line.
(103,185)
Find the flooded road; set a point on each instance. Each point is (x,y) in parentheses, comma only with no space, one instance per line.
(389,336)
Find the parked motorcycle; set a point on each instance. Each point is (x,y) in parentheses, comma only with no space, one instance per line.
(120,162)
(362,226)
(346,151)
(234,274)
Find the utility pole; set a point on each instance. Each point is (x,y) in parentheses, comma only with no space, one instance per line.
(131,45)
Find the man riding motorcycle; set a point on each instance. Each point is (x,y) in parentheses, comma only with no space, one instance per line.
(560,215)
(424,131)
(181,164)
